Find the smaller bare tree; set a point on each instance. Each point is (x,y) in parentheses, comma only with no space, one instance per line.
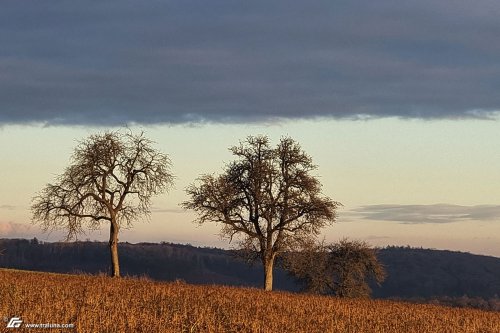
(111,179)
(267,197)
(343,269)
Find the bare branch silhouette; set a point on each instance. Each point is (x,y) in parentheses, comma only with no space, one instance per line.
(266,196)
(111,179)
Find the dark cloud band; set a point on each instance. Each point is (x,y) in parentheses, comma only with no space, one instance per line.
(117,62)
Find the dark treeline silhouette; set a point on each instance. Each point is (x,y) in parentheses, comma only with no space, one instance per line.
(421,275)
(164,261)
(425,273)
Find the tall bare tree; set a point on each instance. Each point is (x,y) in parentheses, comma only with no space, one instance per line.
(344,268)
(111,180)
(267,197)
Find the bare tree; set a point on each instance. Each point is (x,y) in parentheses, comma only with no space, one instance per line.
(111,179)
(343,269)
(267,198)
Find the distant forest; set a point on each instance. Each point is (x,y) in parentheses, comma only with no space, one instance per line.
(421,275)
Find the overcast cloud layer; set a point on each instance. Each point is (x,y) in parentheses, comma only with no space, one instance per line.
(116,62)
(440,213)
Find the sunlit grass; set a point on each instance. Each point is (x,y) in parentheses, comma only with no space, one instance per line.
(102,304)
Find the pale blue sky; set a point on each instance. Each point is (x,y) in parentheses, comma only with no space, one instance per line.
(408,166)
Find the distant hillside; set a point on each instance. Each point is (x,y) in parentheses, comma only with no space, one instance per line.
(165,261)
(428,273)
(412,273)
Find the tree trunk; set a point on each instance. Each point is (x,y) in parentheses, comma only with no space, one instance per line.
(268,272)
(113,249)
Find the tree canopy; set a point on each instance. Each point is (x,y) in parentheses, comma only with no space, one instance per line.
(267,197)
(344,268)
(111,179)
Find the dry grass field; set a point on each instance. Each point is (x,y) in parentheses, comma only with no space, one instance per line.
(101,304)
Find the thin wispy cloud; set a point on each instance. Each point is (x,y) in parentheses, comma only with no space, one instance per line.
(417,214)
(375,238)
(117,62)
(168,210)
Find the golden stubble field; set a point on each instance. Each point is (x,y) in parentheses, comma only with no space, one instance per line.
(101,304)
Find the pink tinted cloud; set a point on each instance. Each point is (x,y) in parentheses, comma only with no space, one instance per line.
(9,229)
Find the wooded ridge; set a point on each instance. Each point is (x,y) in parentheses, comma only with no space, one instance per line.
(413,273)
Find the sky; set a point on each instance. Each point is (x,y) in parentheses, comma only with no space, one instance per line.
(398,104)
